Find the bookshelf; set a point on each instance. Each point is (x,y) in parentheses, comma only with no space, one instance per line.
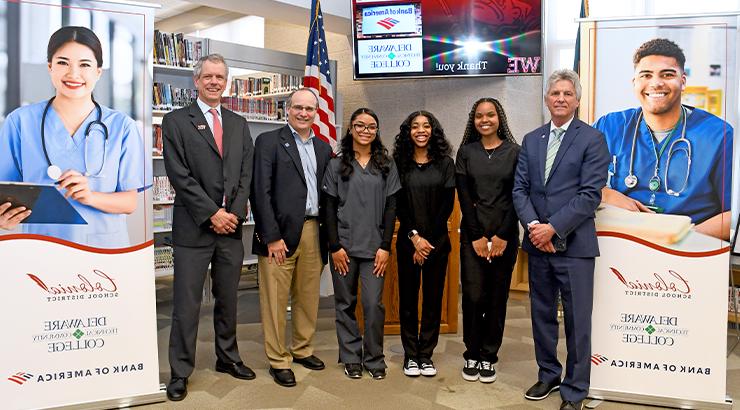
(260,81)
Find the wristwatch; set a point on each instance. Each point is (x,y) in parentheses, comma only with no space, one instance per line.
(412,233)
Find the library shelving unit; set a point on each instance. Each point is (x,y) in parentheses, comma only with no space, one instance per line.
(259,83)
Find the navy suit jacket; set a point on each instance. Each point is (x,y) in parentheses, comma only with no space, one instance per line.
(279,191)
(569,199)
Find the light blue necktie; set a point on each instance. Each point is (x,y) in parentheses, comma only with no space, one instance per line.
(552,150)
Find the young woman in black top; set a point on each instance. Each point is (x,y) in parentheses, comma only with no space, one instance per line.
(422,154)
(361,187)
(489,234)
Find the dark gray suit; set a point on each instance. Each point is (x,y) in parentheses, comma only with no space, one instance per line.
(202,179)
(567,201)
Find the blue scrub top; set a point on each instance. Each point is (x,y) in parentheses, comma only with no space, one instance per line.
(22,160)
(709,187)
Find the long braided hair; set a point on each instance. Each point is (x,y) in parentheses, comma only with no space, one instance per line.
(378,153)
(472,135)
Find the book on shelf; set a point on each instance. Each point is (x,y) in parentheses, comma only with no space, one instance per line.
(265,85)
(162,190)
(167,97)
(162,217)
(157,144)
(173,49)
(733,295)
(253,108)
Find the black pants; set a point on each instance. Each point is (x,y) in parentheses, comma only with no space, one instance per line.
(485,291)
(420,343)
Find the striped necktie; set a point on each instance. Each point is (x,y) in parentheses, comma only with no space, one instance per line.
(552,150)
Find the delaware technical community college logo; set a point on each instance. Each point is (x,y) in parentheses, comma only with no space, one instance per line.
(388,23)
(20,378)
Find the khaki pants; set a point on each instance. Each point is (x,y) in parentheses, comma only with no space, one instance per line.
(297,279)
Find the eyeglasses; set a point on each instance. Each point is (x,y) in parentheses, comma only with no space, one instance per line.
(372,128)
(300,108)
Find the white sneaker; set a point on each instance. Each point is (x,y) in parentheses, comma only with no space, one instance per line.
(487,372)
(411,368)
(427,368)
(470,370)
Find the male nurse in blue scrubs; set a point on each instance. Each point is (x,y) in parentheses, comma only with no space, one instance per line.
(668,157)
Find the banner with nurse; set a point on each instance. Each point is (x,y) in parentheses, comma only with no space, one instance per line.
(667,105)
(75,239)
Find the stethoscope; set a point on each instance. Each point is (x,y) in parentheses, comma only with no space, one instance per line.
(53,171)
(654,183)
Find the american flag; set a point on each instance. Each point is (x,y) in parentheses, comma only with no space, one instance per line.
(318,78)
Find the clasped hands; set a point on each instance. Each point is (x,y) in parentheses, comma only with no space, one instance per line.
(541,236)
(223,222)
(480,246)
(422,249)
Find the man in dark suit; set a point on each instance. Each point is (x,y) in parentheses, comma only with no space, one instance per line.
(289,166)
(208,157)
(557,187)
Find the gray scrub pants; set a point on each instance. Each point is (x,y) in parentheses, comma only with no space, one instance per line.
(354,348)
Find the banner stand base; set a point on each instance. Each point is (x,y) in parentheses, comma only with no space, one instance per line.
(609,395)
(122,402)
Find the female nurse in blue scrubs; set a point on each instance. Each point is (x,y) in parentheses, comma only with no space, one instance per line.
(94,154)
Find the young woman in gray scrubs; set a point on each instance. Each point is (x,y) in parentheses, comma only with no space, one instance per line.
(360,214)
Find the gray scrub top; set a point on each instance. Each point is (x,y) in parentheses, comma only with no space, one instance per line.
(361,204)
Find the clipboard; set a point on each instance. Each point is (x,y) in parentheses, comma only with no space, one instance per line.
(49,206)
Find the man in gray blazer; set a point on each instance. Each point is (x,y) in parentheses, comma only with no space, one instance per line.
(557,186)
(208,157)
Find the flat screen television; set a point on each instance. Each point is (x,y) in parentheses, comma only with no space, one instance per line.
(432,38)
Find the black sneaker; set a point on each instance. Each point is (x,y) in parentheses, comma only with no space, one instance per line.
(353,370)
(470,370)
(377,374)
(487,372)
(427,368)
(411,368)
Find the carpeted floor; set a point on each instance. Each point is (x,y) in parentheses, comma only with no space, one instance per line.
(330,389)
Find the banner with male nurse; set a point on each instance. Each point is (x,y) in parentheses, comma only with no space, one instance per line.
(666,104)
(79,319)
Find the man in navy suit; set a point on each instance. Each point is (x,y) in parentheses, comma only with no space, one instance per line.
(291,242)
(562,167)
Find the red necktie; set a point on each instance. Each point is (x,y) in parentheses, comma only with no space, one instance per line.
(218,132)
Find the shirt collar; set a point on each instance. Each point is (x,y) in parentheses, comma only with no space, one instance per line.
(564,126)
(204,108)
(298,137)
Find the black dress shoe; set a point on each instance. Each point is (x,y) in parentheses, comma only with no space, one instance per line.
(311,362)
(283,377)
(571,405)
(541,390)
(353,370)
(238,370)
(177,389)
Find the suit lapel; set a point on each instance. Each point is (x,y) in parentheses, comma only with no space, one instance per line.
(568,138)
(227,122)
(542,149)
(288,142)
(321,158)
(201,126)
